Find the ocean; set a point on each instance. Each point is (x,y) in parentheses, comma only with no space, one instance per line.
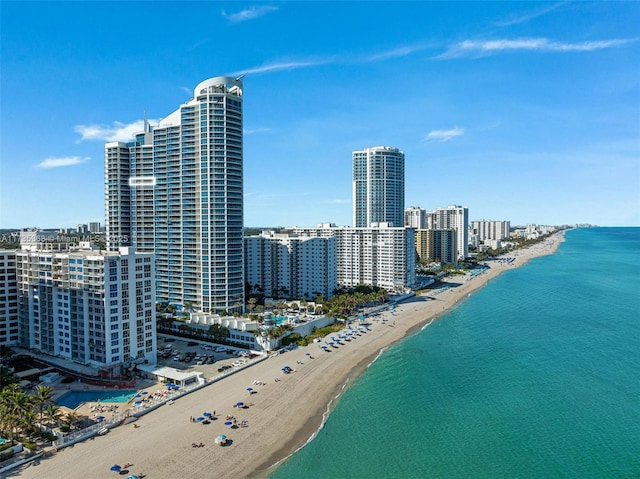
(536,375)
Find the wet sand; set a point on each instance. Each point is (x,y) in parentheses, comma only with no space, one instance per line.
(287,410)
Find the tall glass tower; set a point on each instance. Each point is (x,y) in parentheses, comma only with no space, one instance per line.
(177,190)
(378,186)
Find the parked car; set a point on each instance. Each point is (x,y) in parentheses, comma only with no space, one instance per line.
(192,343)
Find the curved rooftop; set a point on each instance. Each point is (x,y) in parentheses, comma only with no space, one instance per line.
(219,85)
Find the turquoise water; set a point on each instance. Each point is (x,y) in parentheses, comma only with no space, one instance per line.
(73,399)
(537,375)
(279,319)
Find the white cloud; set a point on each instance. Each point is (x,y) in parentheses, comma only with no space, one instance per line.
(256,130)
(293,65)
(517,19)
(116,132)
(248,13)
(476,48)
(60,162)
(439,136)
(338,201)
(397,52)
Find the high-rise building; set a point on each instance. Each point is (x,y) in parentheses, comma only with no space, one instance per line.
(452,217)
(8,298)
(381,255)
(437,245)
(94,227)
(89,306)
(177,190)
(488,229)
(378,186)
(415,217)
(284,265)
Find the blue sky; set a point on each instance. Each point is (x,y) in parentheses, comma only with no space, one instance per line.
(526,111)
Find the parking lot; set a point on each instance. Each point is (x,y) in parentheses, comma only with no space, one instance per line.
(192,355)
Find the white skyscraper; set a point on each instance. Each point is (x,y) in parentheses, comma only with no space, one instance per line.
(378,186)
(177,190)
(488,229)
(8,298)
(415,217)
(89,306)
(381,255)
(291,266)
(452,217)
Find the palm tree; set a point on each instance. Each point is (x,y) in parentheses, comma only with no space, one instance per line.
(252,304)
(53,414)
(42,398)
(71,418)
(14,406)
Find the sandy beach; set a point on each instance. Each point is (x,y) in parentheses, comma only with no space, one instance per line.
(284,411)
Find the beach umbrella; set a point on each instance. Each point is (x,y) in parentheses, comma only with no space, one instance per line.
(240,404)
(308,354)
(249,389)
(200,419)
(132,477)
(115,468)
(228,423)
(144,392)
(206,414)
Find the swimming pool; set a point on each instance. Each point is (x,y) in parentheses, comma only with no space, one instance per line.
(73,399)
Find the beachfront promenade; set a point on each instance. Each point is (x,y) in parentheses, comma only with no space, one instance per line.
(282,410)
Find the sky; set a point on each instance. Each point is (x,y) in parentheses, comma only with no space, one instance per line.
(521,111)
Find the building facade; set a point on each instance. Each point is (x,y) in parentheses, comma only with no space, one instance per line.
(437,245)
(177,190)
(282,265)
(415,217)
(8,298)
(452,217)
(92,307)
(378,186)
(381,255)
(490,230)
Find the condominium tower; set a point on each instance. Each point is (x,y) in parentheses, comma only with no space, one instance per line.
(380,255)
(452,217)
(287,265)
(8,298)
(177,190)
(378,186)
(489,229)
(89,306)
(415,217)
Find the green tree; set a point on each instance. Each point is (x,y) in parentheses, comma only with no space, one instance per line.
(42,399)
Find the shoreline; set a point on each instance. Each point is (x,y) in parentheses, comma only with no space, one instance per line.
(316,421)
(289,409)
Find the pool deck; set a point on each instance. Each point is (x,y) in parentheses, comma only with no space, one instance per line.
(92,409)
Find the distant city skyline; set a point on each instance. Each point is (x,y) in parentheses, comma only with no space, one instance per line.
(526,111)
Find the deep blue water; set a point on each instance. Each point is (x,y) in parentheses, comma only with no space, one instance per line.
(536,375)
